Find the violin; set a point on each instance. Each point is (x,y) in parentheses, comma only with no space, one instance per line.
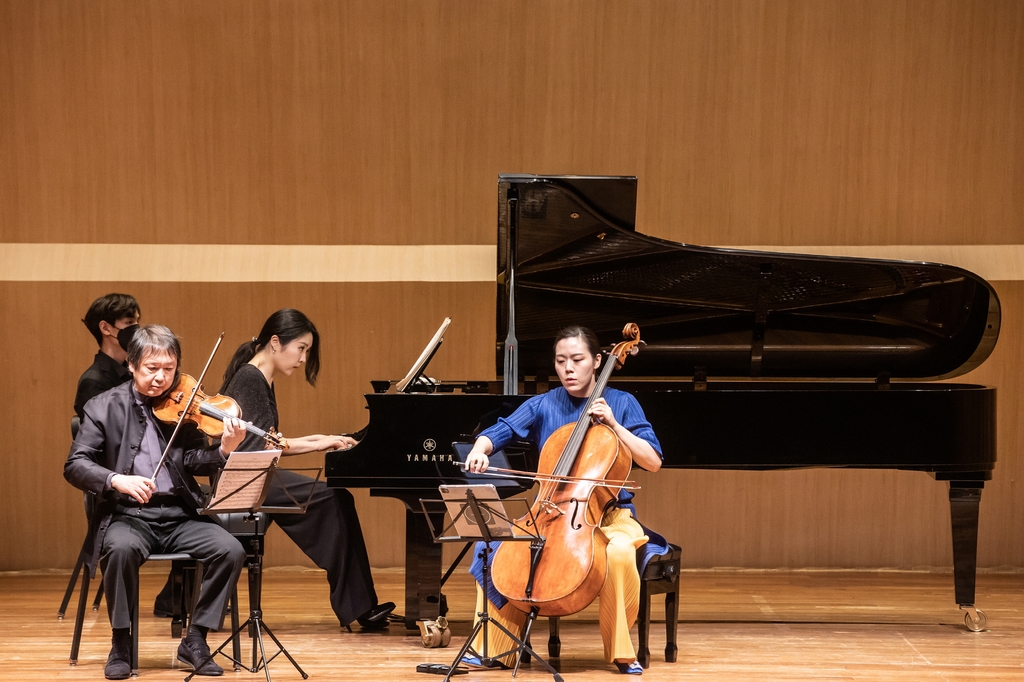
(208,412)
(582,466)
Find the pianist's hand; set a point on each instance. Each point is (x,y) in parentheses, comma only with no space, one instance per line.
(337,443)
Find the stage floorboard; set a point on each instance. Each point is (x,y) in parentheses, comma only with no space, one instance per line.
(736,625)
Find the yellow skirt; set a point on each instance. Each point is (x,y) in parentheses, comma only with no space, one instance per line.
(619,598)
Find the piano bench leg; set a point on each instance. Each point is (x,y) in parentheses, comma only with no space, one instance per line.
(554,641)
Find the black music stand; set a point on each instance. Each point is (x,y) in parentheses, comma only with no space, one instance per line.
(245,494)
(482,513)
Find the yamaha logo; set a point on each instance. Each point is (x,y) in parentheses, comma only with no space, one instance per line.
(429,445)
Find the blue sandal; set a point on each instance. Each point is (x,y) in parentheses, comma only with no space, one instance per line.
(631,668)
(472,661)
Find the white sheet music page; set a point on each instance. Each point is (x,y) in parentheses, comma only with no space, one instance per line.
(424,356)
(241,482)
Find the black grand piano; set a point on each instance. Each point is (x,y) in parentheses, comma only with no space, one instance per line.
(753,361)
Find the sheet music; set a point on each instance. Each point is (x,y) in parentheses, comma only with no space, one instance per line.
(424,356)
(241,482)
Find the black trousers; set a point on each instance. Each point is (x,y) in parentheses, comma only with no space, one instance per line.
(328,533)
(135,533)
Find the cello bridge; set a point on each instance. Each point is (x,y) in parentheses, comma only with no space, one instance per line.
(550,507)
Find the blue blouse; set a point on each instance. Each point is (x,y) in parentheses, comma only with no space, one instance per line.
(540,416)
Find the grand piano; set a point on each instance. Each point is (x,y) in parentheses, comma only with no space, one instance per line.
(752,361)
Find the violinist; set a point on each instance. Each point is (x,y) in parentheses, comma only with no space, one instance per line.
(577,357)
(115,457)
(112,320)
(329,532)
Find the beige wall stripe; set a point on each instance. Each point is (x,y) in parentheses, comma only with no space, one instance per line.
(245,263)
(376,263)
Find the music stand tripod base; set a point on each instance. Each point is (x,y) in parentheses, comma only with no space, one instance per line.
(254,563)
(493,507)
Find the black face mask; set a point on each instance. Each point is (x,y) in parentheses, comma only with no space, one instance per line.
(124,336)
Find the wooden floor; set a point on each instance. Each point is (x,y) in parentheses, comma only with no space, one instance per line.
(735,625)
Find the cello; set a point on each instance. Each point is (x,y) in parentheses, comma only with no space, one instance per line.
(584,464)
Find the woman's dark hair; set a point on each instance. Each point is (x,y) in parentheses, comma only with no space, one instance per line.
(585,333)
(287,325)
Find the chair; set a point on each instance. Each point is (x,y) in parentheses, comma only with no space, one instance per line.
(80,564)
(183,590)
(183,566)
(661,576)
(183,596)
(90,505)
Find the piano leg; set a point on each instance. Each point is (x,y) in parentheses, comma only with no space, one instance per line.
(964,501)
(423,598)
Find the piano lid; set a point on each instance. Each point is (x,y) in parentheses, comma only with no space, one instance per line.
(730,313)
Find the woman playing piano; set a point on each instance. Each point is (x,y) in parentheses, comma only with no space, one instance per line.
(329,531)
(577,357)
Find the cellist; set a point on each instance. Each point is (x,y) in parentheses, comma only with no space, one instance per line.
(577,357)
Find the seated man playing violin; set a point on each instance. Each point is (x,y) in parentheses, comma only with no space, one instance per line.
(144,508)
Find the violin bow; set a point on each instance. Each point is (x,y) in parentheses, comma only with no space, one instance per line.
(533,476)
(188,406)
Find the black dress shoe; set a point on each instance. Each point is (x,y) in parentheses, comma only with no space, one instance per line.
(119,665)
(377,617)
(194,652)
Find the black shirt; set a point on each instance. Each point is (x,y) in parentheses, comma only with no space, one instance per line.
(255,396)
(103,374)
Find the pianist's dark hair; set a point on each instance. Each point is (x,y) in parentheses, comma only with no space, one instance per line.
(287,325)
(577,331)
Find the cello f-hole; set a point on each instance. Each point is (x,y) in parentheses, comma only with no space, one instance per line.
(575,510)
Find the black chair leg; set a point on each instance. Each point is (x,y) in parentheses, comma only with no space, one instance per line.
(178,593)
(71,587)
(133,604)
(236,639)
(99,597)
(192,594)
(83,599)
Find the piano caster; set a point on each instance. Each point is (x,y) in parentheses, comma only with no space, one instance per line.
(974,619)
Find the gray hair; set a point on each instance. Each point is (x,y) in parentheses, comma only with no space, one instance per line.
(153,338)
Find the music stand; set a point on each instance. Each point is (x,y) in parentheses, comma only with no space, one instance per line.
(241,488)
(489,513)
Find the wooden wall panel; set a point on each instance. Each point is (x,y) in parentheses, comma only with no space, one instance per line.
(787,122)
(764,122)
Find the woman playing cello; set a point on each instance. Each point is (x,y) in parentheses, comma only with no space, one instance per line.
(577,357)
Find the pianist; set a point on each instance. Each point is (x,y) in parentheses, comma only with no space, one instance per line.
(329,531)
(577,357)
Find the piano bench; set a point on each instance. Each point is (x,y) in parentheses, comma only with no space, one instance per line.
(661,576)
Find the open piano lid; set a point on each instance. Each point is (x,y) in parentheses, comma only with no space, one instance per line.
(728,313)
